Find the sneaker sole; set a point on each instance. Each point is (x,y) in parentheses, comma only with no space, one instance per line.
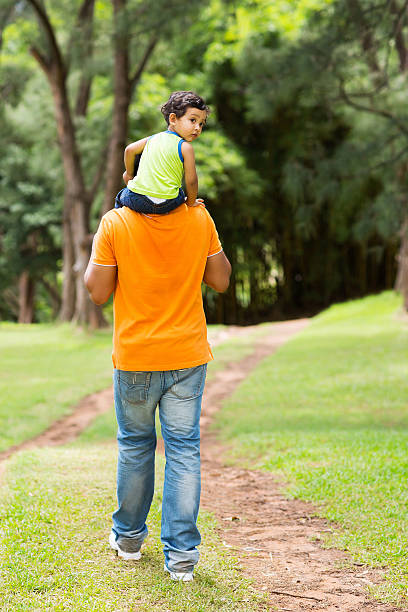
(126,556)
(180,576)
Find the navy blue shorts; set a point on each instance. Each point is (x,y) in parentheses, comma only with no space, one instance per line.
(143,204)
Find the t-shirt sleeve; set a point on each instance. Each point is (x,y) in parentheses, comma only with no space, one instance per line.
(102,250)
(215,244)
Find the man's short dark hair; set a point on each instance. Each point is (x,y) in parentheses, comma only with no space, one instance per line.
(180,101)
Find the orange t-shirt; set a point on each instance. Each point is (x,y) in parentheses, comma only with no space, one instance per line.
(159,321)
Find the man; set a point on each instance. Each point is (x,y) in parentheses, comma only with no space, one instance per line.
(155,266)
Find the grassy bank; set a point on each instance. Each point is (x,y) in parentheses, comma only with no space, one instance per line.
(46,369)
(56,503)
(55,518)
(328,414)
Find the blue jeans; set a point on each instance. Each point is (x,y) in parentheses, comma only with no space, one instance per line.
(178,394)
(141,203)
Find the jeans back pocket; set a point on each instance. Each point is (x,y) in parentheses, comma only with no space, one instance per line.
(189,382)
(134,386)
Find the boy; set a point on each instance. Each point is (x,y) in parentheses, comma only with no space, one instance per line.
(156,189)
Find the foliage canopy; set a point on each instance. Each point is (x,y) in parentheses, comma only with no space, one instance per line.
(303,161)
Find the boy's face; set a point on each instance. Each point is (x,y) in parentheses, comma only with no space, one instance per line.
(190,125)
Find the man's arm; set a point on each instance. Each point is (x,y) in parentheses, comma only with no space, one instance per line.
(217,272)
(100,282)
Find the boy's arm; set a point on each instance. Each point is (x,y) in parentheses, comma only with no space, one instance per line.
(135,148)
(190,173)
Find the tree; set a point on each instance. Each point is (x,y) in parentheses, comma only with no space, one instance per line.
(315,237)
(357,54)
(29,206)
(30,248)
(328,179)
(67,57)
(307,188)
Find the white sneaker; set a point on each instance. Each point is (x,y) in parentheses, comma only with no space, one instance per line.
(124,554)
(180,576)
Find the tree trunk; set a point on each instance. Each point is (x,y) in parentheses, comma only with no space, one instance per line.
(68,284)
(125,83)
(76,304)
(122,96)
(26,298)
(77,202)
(117,144)
(86,312)
(81,253)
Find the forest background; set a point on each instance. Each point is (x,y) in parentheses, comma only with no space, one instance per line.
(303,163)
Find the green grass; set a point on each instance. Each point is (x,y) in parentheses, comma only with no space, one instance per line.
(233,349)
(328,414)
(44,370)
(102,429)
(55,519)
(56,504)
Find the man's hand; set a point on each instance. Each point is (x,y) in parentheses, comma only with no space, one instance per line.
(198,202)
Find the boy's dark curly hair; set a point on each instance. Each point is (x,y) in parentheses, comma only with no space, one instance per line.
(180,101)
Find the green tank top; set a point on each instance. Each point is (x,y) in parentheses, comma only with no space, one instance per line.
(161,167)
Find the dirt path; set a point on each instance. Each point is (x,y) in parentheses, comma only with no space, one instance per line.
(277,540)
(68,427)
